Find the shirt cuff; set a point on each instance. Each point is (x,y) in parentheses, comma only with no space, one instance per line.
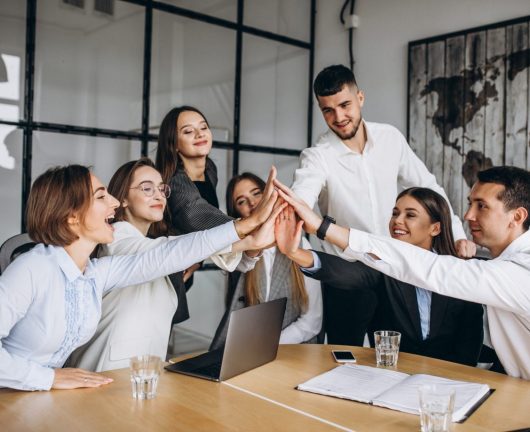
(317,264)
(40,378)
(358,244)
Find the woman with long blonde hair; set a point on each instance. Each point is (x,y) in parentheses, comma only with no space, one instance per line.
(273,276)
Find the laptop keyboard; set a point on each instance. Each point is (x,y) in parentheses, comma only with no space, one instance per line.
(213,370)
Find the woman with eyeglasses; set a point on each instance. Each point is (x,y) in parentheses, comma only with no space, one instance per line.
(50,297)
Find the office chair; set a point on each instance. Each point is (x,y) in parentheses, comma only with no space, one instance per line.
(13,247)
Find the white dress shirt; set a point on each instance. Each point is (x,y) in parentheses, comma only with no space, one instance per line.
(48,307)
(359,189)
(502,284)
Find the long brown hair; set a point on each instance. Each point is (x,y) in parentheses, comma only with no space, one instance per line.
(167,157)
(252,291)
(438,210)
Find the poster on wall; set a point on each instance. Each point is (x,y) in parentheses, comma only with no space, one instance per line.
(468,103)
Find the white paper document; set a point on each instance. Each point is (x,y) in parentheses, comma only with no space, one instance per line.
(391,389)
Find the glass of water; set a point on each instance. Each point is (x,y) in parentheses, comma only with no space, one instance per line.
(436,407)
(387,347)
(145,370)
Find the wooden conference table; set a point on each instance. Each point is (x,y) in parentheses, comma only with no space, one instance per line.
(263,399)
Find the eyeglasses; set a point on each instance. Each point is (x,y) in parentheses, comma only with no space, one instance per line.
(148,188)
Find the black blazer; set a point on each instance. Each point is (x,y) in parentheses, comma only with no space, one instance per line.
(190,212)
(456,326)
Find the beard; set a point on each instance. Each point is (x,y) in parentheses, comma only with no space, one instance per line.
(352,133)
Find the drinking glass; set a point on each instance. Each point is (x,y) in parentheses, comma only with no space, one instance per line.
(387,347)
(145,370)
(436,407)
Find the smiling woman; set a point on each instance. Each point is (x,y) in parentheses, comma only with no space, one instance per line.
(50,297)
(430,324)
(137,319)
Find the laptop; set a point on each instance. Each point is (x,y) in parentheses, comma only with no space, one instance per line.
(252,340)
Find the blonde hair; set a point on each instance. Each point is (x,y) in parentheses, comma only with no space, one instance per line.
(252,291)
(300,298)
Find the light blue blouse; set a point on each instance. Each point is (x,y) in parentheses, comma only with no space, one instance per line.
(48,307)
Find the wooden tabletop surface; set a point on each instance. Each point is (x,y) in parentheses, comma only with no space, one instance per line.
(262,399)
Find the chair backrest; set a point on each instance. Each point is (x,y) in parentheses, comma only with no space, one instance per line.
(13,247)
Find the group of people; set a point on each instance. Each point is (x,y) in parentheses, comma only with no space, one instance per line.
(111,268)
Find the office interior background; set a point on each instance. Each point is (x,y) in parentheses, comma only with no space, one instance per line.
(88,81)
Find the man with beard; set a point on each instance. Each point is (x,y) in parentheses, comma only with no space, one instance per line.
(355,171)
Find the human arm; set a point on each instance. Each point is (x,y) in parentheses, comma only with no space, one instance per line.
(310,177)
(498,282)
(172,255)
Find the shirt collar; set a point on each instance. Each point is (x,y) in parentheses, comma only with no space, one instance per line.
(68,266)
(342,149)
(520,244)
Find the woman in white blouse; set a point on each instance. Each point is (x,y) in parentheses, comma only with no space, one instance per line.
(50,297)
(273,276)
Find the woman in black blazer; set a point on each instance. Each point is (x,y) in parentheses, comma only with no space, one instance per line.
(430,324)
(184,143)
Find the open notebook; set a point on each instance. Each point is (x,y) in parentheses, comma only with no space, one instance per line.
(392,389)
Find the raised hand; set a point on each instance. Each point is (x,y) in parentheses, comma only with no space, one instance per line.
(71,378)
(288,231)
(263,210)
(263,237)
(465,248)
(311,220)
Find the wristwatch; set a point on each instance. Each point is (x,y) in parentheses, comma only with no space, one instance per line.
(323,228)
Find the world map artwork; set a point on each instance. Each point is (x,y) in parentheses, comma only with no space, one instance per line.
(452,112)
(469,101)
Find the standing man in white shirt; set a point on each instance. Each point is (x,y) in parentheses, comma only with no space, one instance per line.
(498,216)
(355,171)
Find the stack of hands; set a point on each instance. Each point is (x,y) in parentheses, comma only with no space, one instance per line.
(281,216)
(278,221)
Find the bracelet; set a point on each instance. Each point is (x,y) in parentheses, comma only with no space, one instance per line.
(323,228)
(239,233)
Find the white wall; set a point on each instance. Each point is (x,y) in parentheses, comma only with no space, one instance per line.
(380,43)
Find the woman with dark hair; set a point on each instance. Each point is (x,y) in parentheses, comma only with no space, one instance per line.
(430,324)
(50,297)
(274,276)
(184,143)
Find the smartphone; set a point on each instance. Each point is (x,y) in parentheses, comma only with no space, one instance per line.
(343,356)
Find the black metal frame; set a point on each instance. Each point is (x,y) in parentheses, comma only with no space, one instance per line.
(28,125)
